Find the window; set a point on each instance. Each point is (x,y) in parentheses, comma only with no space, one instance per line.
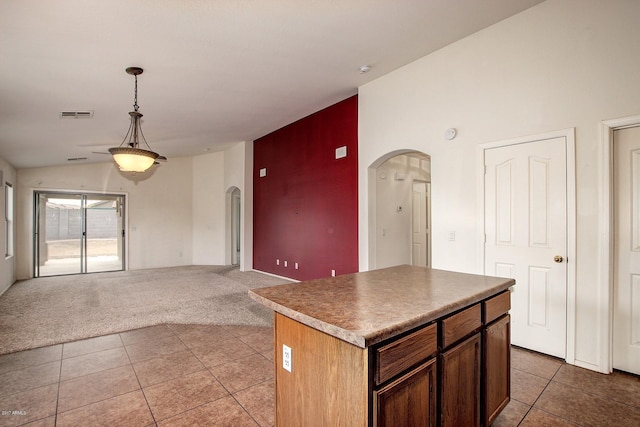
(8,219)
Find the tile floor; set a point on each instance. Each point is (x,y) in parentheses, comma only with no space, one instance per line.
(185,375)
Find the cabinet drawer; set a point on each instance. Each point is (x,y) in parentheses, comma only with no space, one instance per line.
(496,306)
(405,352)
(460,325)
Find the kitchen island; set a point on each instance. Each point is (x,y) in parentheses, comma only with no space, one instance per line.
(402,345)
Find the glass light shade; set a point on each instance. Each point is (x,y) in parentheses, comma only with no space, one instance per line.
(133,159)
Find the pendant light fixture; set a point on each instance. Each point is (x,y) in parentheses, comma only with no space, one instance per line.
(129,156)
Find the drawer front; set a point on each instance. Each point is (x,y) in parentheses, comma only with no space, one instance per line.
(405,352)
(496,306)
(460,325)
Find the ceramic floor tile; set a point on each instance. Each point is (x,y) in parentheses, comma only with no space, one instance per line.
(28,406)
(511,415)
(45,422)
(146,334)
(182,394)
(584,408)
(167,367)
(93,362)
(93,388)
(205,337)
(240,331)
(25,359)
(537,418)
(259,402)
(91,345)
(29,378)
(222,412)
(222,352)
(125,410)
(261,341)
(535,363)
(244,372)
(186,329)
(151,349)
(525,387)
(624,388)
(270,356)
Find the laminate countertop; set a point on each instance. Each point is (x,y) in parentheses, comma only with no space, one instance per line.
(366,308)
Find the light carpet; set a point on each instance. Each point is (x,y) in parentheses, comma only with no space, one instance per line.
(53,310)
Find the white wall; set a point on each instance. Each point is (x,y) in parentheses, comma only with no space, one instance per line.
(159,209)
(238,172)
(7,265)
(214,175)
(561,64)
(208,209)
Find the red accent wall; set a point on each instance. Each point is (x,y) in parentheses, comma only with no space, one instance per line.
(305,209)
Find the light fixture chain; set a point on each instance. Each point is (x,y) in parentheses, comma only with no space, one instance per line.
(135,97)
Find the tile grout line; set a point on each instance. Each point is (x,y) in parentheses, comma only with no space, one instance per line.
(155,422)
(55,415)
(540,395)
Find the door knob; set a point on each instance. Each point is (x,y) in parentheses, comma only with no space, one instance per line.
(558,258)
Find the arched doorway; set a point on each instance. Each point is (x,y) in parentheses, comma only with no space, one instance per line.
(233,226)
(400,209)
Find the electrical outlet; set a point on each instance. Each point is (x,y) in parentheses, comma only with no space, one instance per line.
(296,265)
(287,359)
(285,263)
(333,273)
(278,261)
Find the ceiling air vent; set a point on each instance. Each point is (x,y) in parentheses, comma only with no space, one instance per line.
(76,115)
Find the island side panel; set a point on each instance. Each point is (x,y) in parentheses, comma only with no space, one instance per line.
(327,384)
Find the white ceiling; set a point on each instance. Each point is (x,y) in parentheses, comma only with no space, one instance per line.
(216,73)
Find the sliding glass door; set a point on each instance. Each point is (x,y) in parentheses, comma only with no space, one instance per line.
(78,233)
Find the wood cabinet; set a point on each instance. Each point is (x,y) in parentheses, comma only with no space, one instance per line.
(459,367)
(409,400)
(496,356)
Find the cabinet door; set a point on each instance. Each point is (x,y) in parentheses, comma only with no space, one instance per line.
(408,401)
(497,367)
(460,384)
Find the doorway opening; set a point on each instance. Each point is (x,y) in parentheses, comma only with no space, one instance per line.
(626,249)
(76,233)
(610,349)
(400,210)
(234,216)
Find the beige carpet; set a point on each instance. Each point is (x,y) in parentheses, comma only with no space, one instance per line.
(52,310)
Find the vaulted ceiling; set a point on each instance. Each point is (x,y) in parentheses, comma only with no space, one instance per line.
(216,72)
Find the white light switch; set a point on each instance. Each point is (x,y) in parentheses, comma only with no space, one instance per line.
(341,152)
(263,172)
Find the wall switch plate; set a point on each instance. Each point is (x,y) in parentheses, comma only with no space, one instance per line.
(333,273)
(263,172)
(287,359)
(296,265)
(341,152)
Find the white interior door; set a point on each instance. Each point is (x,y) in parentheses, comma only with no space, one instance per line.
(626,305)
(419,225)
(526,238)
